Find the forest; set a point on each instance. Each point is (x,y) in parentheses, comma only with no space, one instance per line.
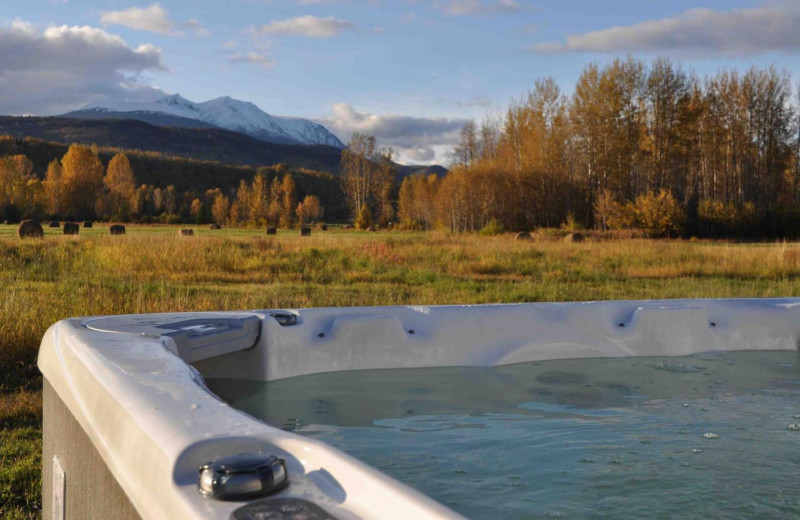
(634,145)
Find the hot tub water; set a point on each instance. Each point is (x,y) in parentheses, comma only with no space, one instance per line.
(708,435)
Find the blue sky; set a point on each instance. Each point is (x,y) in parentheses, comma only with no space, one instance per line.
(409,71)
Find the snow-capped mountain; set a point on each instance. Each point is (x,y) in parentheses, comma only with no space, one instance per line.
(223,112)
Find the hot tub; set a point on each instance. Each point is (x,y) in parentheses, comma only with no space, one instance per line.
(132,431)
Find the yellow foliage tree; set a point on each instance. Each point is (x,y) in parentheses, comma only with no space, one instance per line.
(121,187)
(52,188)
(82,180)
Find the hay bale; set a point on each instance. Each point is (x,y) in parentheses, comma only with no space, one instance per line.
(305,231)
(87,224)
(272,231)
(214,226)
(54,224)
(6,222)
(117,229)
(186,232)
(30,229)
(371,229)
(323,227)
(523,236)
(574,237)
(71,228)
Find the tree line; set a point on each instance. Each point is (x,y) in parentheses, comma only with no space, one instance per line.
(78,187)
(634,145)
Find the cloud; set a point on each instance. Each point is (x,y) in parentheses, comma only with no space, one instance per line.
(252,58)
(153,18)
(62,68)
(198,28)
(421,155)
(309,26)
(478,7)
(702,31)
(416,139)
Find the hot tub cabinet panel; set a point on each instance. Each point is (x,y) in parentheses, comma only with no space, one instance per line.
(128,420)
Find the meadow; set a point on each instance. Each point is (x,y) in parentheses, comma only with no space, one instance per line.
(152,269)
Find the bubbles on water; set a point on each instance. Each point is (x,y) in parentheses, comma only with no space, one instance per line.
(561,378)
(794,427)
(679,368)
(684,432)
(710,435)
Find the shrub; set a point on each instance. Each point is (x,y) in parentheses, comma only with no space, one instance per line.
(658,214)
(610,214)
(571,224)
(364,219)
(720,219)
(493,227)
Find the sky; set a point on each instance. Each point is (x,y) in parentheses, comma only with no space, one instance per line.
(410,72)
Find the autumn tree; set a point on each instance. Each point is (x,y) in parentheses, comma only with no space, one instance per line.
(54,204)
(82,181)
(120,187)
(289,192)
(309,210)
(385,189)
(20,188)
(359,172)
(275,208)
(219,210)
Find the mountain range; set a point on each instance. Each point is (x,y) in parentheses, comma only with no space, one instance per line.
(222,112)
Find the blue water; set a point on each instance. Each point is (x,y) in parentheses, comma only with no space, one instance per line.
(706,436)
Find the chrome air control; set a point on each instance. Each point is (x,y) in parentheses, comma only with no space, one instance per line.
(242,476)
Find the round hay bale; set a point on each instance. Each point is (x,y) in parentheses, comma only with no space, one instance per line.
(186,232)
(117,229)
(71,228)
(87,223)
(371,229)
(214,226)
(272,231)
(30,229)
(54,224)
(6,222)
(523,236)
(305,231)
(574,237)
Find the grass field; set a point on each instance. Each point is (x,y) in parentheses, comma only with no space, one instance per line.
(152,269)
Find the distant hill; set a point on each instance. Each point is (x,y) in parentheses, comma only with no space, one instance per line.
(434,169)
(211,144)
(202,143)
